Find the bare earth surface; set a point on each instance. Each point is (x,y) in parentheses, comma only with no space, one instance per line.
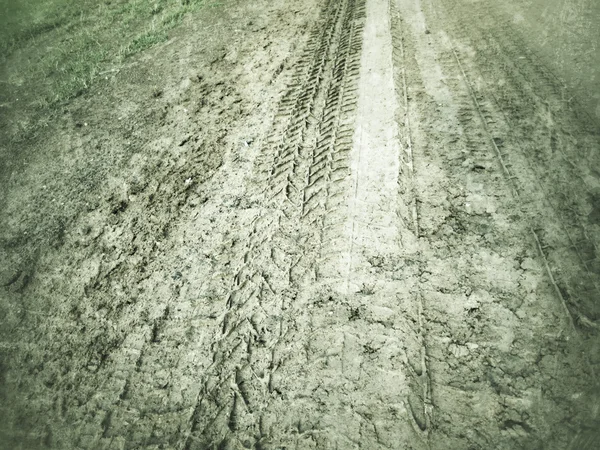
(335,224)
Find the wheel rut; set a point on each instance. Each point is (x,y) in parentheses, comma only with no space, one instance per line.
(263,343)
(489,213)
(540,159)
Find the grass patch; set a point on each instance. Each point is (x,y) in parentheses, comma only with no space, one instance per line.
(144,41)
(61,47)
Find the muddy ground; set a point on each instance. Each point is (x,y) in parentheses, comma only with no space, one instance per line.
(327,224)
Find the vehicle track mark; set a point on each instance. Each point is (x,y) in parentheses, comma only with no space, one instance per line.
(511,178)
(304,100)
(570,259)
(422,408)
(234,401)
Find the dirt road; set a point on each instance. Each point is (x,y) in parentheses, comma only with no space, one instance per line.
(356,224)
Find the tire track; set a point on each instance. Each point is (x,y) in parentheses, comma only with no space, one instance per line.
(294,129)
(466,208)
(421,403)
(361,330)
(140,398)
(541,180)
(485,122)
(240,391)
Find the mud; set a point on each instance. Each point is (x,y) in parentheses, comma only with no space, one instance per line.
(341,224)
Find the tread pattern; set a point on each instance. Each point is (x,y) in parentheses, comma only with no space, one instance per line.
(302,161)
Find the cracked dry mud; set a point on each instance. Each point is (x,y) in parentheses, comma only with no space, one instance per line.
(357,224)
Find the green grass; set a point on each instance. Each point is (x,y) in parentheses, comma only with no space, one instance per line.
(57,49)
